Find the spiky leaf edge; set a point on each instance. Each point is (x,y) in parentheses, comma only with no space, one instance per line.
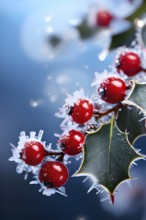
(94,179)
(134,83)
(128,102)
(142,135)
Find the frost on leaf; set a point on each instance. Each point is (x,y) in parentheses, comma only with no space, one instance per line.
(131,120)
(138,97)
(108,157)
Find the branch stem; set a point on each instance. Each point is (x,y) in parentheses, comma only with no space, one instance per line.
(99,115)
(54,153)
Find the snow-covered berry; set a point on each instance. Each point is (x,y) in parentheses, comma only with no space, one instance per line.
(129,63)
(82,111)
(53,174)
(112,90)
(72,144)
(33,153)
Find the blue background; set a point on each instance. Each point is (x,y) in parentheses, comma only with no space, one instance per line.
(23,79)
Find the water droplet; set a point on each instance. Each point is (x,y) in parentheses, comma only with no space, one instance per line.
(102,56)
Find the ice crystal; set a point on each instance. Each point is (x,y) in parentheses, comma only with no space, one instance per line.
(47,191)
(98,102)
(16,151)
(139,77)
(67,123)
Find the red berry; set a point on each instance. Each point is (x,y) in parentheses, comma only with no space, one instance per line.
(129,63)
(103,18)
(53,174)
(73,143)
(33,153)
(82,111)
(112,90)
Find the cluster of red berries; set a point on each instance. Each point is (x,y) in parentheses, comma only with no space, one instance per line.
(54,173)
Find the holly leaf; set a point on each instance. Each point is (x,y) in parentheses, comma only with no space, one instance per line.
(138,97)
(123,38)
(85,30)
(131,121)
(108,157)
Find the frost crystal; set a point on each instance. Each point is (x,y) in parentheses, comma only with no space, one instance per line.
(100,104)
(67,124)
(103,111)
(104,194)
(16,151)
(139,77)
(47,191)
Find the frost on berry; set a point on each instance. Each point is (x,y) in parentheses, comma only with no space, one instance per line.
(72,144)
(69,102)
(65,112)
(51,155)
(112,90)
(100,105)
(53,174)
(82,111)
(33,153)
(67,158)
(129,63)
(48,191)
(17,150)
(139,71)
(97,129)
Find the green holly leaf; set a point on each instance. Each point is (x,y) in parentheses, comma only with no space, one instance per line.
(138,97)
(123,38)
(85,30)
(108,157)
(131,121)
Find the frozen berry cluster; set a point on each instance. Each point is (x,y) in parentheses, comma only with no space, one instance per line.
(81,115)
